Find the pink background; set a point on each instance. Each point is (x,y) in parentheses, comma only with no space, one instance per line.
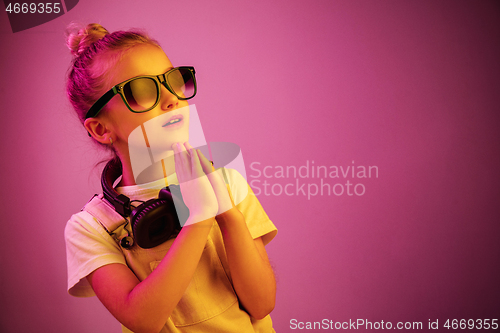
(408,86)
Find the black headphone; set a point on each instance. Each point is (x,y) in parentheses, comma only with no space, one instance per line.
(154,221)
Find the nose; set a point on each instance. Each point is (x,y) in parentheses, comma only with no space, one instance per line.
(168,101)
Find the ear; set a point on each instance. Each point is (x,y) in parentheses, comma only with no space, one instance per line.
(98,130)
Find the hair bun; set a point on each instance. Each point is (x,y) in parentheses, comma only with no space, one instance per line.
(78,39)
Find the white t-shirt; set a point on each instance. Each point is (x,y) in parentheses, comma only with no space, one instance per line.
(209,302)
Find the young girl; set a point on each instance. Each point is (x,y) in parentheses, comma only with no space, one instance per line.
(211,275)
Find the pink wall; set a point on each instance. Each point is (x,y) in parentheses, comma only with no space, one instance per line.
(410,87)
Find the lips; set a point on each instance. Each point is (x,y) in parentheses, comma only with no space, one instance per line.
(174,120)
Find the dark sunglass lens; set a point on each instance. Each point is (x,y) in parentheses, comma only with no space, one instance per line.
(141,94)
(182,82)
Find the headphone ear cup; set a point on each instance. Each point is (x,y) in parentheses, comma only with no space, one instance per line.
(172,193)
(154,222)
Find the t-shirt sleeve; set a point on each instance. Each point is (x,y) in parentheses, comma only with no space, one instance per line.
(88,247)
(247,203)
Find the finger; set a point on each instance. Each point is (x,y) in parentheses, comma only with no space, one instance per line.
(209,170)
(183,153)
(177,159)
(195,163)
(189,150)
(221,190)
(178,164)
(205,163)
(182,162)
(180,147)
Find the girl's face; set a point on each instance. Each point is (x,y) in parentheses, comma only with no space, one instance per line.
(144,59)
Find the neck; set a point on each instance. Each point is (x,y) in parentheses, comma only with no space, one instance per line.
(156,171)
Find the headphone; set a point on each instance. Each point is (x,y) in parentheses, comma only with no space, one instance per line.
(154,221)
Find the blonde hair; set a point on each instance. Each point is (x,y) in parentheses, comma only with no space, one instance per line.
(95,51)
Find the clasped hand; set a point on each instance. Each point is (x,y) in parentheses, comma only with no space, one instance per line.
(202,187)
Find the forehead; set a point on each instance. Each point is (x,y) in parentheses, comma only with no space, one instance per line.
(144,59)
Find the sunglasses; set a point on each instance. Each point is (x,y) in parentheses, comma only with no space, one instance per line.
(142,93)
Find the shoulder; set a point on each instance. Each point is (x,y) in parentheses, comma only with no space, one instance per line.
(82,223)
(257,220)
(84,233)
(88,247)
(96,217)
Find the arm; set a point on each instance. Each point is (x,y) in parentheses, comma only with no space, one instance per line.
(251,272)
(252,275)
(146,306)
